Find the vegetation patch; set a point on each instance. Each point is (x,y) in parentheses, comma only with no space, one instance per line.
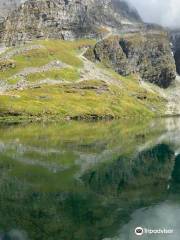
(83,100)
(120,97)
(52,50)
(68,74)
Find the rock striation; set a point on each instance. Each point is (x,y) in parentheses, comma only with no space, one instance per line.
(148,55)
(67,19)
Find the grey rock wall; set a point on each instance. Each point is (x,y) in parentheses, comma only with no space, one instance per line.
(148,55)
(175,40)
(66,19)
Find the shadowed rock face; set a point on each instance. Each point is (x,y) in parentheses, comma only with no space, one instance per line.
(175,39)
(148,55)
(177,60)
(126,10)
(66,19)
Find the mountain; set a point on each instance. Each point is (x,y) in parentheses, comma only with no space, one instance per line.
(84,59)
(68,19)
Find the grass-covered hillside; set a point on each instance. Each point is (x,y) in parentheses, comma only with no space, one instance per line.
(51,79)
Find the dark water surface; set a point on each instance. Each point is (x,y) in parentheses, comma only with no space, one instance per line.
(89,181)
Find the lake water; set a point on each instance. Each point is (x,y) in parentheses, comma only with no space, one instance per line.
(90,181)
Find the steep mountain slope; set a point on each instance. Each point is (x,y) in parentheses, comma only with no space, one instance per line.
(175,39)
(67,19)
(52,77)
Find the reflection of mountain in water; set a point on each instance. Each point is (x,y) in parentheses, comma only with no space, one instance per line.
(176,172)
(165,214)
(39,203)
(149,168)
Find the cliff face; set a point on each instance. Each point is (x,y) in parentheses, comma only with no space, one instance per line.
(6,6)
(66,19)
(148,55)
(175,39)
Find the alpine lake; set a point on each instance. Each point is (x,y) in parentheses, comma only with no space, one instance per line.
(90,180)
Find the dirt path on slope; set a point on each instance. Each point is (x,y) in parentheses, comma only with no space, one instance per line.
(173,97)
(91,71)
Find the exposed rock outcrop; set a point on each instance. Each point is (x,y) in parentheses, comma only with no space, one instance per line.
(67,19)
(6,64)
(175,39)
(6,6)
(148,55)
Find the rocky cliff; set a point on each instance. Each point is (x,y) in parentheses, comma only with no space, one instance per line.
(148,55)
(175,40)
(67,19)
(6,6)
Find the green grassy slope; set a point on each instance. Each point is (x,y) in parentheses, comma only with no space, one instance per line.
(62,92)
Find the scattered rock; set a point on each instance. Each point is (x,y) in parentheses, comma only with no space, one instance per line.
(6,64)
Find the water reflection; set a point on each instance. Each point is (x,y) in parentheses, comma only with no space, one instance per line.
(151,167)
(88,181)
(163,215)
